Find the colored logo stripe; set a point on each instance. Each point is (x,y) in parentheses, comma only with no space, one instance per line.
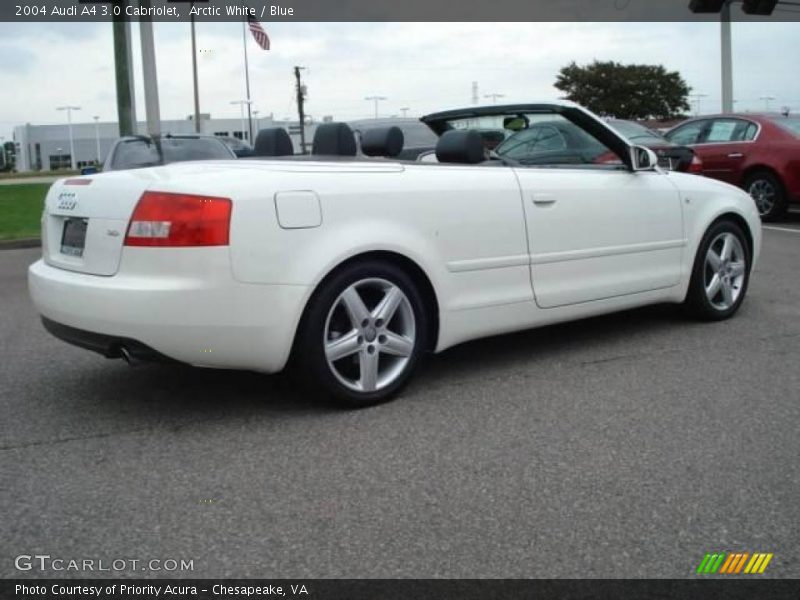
(711,563)
(733,563)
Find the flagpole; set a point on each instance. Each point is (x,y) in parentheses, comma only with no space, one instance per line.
(247,84)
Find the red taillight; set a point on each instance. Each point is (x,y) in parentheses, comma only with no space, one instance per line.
(165,219)
(696,166)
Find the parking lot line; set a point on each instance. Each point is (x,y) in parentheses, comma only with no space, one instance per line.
(780,229)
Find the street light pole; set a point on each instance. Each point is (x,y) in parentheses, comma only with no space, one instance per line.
(494,97)
(767,100)
(69,110)
(375,99)
(404,110)
(697,98)
(97,135)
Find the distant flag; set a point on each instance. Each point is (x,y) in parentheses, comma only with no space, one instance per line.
(261,37)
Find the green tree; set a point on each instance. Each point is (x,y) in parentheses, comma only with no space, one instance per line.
(612,89)
(7,159)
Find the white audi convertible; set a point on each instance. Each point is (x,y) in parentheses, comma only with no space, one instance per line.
(351,263)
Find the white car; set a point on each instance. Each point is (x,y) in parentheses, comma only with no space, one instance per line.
(353,268)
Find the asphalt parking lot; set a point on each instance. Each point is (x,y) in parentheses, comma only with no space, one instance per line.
(623,446)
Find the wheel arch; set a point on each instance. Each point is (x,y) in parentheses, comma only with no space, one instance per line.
(751,169)
(742,223)
(408,265)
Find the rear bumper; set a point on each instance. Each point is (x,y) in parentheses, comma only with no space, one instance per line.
(108,345)
(199,315)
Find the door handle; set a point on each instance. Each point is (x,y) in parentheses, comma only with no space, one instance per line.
(736,155)
(543,199)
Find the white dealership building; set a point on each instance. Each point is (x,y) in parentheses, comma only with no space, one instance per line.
(47,147)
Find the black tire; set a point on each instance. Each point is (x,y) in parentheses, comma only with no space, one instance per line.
(697,301)
(309,356)
(772,207)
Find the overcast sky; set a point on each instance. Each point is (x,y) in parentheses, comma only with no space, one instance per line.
(422,66)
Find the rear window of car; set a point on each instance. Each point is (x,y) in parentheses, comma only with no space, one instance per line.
(137,153)
(731,130)
(791,124)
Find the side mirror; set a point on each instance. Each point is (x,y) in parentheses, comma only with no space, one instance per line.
(643,159)
(89,170)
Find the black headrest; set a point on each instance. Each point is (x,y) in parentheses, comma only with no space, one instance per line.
(460,146)
(274,141)
(334,139)
(382,141)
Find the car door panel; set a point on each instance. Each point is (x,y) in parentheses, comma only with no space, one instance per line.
(723,161)
(596,233)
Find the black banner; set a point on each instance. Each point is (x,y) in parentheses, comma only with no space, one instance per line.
(374,10)
(403,589)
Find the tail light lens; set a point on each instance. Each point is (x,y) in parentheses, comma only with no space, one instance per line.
(164,219)
(696,166)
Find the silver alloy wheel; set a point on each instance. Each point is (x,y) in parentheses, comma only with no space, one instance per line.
(763,192)
(725,270)
(369,335)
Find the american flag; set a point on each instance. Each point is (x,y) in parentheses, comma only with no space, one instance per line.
(261,37)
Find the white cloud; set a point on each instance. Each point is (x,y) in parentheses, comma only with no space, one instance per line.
(424,66)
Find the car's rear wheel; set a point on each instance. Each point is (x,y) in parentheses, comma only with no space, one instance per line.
(721,273)
(363,333)
(768,193)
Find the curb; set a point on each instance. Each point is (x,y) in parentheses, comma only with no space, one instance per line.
(17,244)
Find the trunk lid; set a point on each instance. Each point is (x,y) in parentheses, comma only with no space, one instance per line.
(85,220)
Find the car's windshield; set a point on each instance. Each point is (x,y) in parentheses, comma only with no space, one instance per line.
(791,124)
(538,139)
(636,133)
(142,152)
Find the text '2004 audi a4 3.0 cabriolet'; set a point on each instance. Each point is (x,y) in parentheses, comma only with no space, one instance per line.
(352,267)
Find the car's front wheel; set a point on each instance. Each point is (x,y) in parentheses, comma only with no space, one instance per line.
(363,333)
(721,272)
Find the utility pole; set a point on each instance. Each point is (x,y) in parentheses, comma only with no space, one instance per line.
(494,97)
(375,99)
(69,110)
(404,110)
(475,93)
(301,97)
(123,69)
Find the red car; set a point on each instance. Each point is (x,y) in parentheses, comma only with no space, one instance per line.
(759,153)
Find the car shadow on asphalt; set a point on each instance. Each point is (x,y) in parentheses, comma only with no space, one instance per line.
(529,345)
(171,388)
